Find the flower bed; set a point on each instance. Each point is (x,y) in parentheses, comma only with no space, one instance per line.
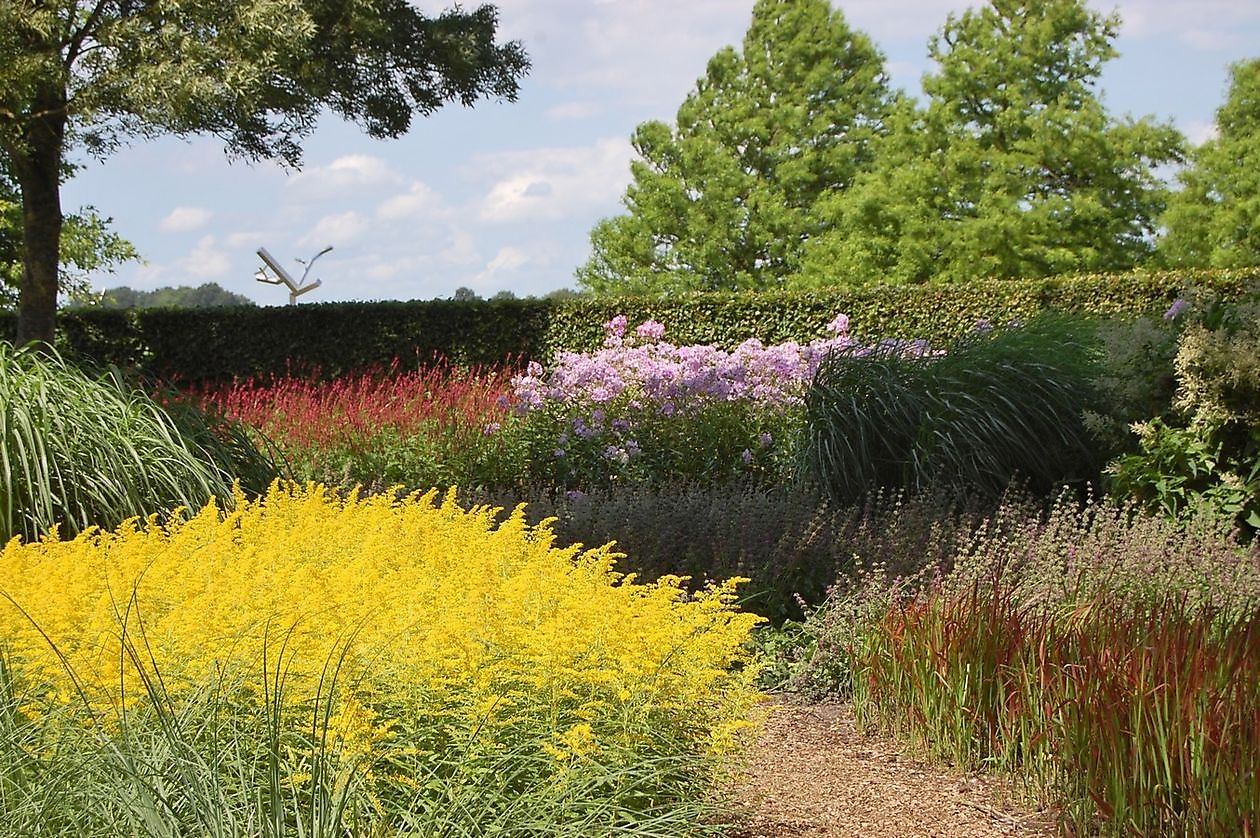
(384,653)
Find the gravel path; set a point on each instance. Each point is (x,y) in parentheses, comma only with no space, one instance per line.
(812,774)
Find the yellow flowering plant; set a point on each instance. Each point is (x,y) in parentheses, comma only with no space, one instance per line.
(387,641)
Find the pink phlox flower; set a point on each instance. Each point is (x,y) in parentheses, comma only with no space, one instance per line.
(840,325)
(650,330)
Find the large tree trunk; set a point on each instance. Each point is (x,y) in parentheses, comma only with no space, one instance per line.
(36,162)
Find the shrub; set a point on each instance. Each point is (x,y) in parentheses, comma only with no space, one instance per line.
(788,540)
(1205,452)
(1001,405)
(78,451)
(395,663)
(643,410)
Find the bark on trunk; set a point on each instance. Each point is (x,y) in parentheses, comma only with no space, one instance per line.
(37,168)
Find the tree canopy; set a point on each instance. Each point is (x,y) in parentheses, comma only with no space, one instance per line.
(792,164)
(1013,168)
(256,74)
(1214,220)
(88,246)
(726,198)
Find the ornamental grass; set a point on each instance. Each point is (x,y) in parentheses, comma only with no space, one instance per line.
(1109,659)
(308,663)
(78,450)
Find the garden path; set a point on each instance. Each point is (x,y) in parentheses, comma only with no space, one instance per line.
(812,774)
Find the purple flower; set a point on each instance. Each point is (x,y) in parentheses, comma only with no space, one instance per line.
(650,330)
(747,457)
(1179,305)
(840,325)
(766,440)
(492,428)
(616,328)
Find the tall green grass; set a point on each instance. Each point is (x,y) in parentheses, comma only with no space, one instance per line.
(227,760)
(78,450)
(998,406)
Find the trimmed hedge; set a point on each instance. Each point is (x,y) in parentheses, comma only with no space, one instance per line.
(329,339)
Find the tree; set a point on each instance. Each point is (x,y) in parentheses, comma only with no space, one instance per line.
(206,295)
(727,197)
(1214,220)
(88,245)
(1013,168)
(257,74)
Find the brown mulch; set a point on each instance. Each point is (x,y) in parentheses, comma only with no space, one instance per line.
(812,774)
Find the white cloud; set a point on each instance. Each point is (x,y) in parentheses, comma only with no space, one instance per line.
(508,260)
(349,173)
(462,249)
(185,219)
(339,229)
(573,110)
(1199,132)
(1218,21)
(554,183)
(207,260)
(418,200)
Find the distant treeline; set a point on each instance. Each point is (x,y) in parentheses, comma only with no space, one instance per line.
(208,295)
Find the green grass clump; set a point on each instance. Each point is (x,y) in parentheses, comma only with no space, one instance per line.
(1000,405)
(77,450)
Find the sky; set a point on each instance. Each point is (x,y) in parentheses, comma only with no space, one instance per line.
(502,196)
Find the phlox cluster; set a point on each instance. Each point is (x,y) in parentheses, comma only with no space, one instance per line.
(454,630)
(670,379)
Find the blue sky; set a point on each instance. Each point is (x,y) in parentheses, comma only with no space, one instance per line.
(502,196)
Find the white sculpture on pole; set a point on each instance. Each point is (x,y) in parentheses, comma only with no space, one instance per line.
(282,276)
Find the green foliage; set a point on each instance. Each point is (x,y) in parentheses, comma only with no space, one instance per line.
(206,295)
(255,74)
(1002,405)
(88,246)
(1214,220)
(610,444)
(1013,169)
(330,339)
(1206,450)
(725,198)
(77,451)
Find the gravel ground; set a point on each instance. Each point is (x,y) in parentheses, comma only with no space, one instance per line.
(812,774)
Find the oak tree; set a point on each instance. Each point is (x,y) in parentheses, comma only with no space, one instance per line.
(1013,168)
(255,73)
(1214,220)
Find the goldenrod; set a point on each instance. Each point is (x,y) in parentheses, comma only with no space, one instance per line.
(443,627)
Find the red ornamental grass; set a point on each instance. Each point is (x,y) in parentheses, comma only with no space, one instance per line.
(348,412)
(1138,720)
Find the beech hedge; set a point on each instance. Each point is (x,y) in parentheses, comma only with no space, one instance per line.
(329,339)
